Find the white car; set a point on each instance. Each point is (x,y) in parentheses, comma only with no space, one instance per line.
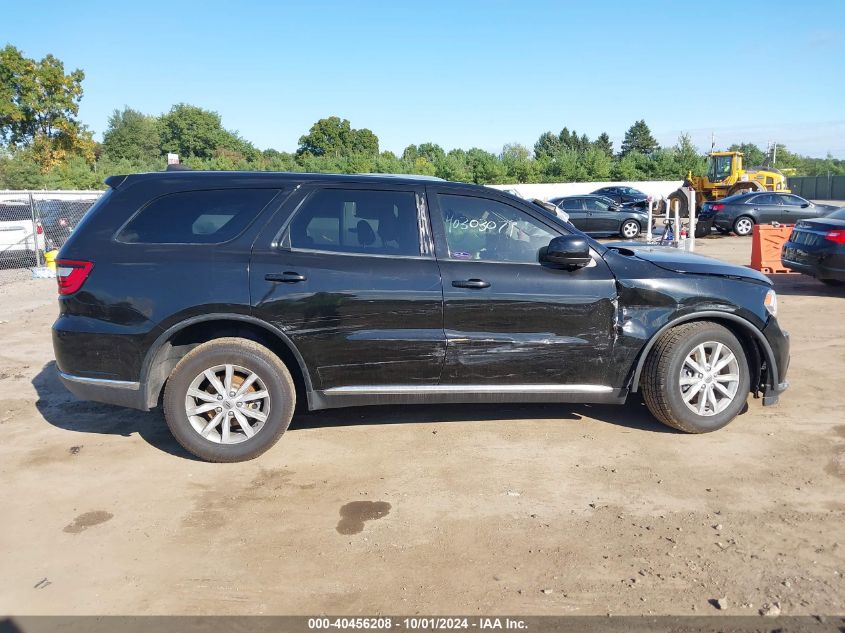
(20,237)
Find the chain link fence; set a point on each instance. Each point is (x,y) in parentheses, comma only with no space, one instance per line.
(34,225)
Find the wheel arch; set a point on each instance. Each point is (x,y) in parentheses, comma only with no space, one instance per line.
(755,345)
(179,339)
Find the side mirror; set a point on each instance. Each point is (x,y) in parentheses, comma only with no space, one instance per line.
(613,207)
(805,205)
(567,251)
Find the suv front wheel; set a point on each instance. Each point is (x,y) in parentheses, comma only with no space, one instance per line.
(229,400)
(696,377)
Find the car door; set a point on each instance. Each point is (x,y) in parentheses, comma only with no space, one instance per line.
(578,214)
(601,218)
(797,208)
(511,321)
(348,274)
(767,207)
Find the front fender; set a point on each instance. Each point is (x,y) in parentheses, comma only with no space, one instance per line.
(772,378)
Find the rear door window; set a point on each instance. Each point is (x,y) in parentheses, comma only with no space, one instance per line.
(362,221)
(572,204)
(766,198)
(196,217)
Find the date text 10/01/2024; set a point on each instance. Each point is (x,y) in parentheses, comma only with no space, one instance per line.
(416,623)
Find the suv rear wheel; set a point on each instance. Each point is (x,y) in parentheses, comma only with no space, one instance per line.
(229,400)
(696,377)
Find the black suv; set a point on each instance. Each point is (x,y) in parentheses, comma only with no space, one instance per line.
(230,297)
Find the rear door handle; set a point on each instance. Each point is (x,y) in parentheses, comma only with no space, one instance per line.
(286,277)
(471,283)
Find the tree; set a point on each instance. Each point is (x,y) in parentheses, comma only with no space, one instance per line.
(638,138)
(604,144)
(363,141)
(547,146)
(597,164)
(752,155)
(335,137)
(687,157)
(132,135)
(431,152)
(518,164)
(191,131)
(485,167)
(38,108)
(628,167)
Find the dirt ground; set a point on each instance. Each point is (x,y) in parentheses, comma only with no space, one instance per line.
(524,509)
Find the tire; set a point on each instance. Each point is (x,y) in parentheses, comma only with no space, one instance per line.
(661,381)
(246,358)
(630,229)
(743,225)
(702,229)
(683,204)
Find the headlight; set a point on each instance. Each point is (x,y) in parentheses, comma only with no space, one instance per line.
(771,303)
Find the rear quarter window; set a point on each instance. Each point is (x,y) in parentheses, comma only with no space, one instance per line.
(196,217)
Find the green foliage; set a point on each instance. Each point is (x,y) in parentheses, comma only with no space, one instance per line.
(132,136)
(687,158)
(604,144)
(334,136)
(753,155)
(38,108)
(547,146)
(638,138)
(193,132)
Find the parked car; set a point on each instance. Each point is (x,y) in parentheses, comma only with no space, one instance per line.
(59,218)
(739,213)
(20,237)
(622,195)
(231,296)
(817,247)
(600,216)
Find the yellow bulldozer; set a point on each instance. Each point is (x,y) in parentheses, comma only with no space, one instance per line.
(726,176)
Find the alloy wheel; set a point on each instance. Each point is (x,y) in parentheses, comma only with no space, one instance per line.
(709,378)
(227,404)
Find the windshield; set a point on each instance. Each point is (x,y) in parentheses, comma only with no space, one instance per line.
(718,168)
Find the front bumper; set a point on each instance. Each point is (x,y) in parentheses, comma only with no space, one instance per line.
(779,343)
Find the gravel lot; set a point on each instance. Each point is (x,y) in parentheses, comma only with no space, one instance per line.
(524,509)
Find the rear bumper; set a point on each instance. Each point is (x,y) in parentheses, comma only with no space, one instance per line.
(823,262)
(117,392)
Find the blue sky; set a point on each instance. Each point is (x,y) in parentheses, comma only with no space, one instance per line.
(461,74)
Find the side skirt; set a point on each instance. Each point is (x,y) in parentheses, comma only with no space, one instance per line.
(356,396)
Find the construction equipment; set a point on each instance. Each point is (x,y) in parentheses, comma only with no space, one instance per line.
(726,176)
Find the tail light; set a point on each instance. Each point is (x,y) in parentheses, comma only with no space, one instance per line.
(71,274)
(717,207)
(837,237)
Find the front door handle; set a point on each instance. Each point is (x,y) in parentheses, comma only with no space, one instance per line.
(471,283)
(286,277)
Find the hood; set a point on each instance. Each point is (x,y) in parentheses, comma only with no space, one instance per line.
(676,260)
